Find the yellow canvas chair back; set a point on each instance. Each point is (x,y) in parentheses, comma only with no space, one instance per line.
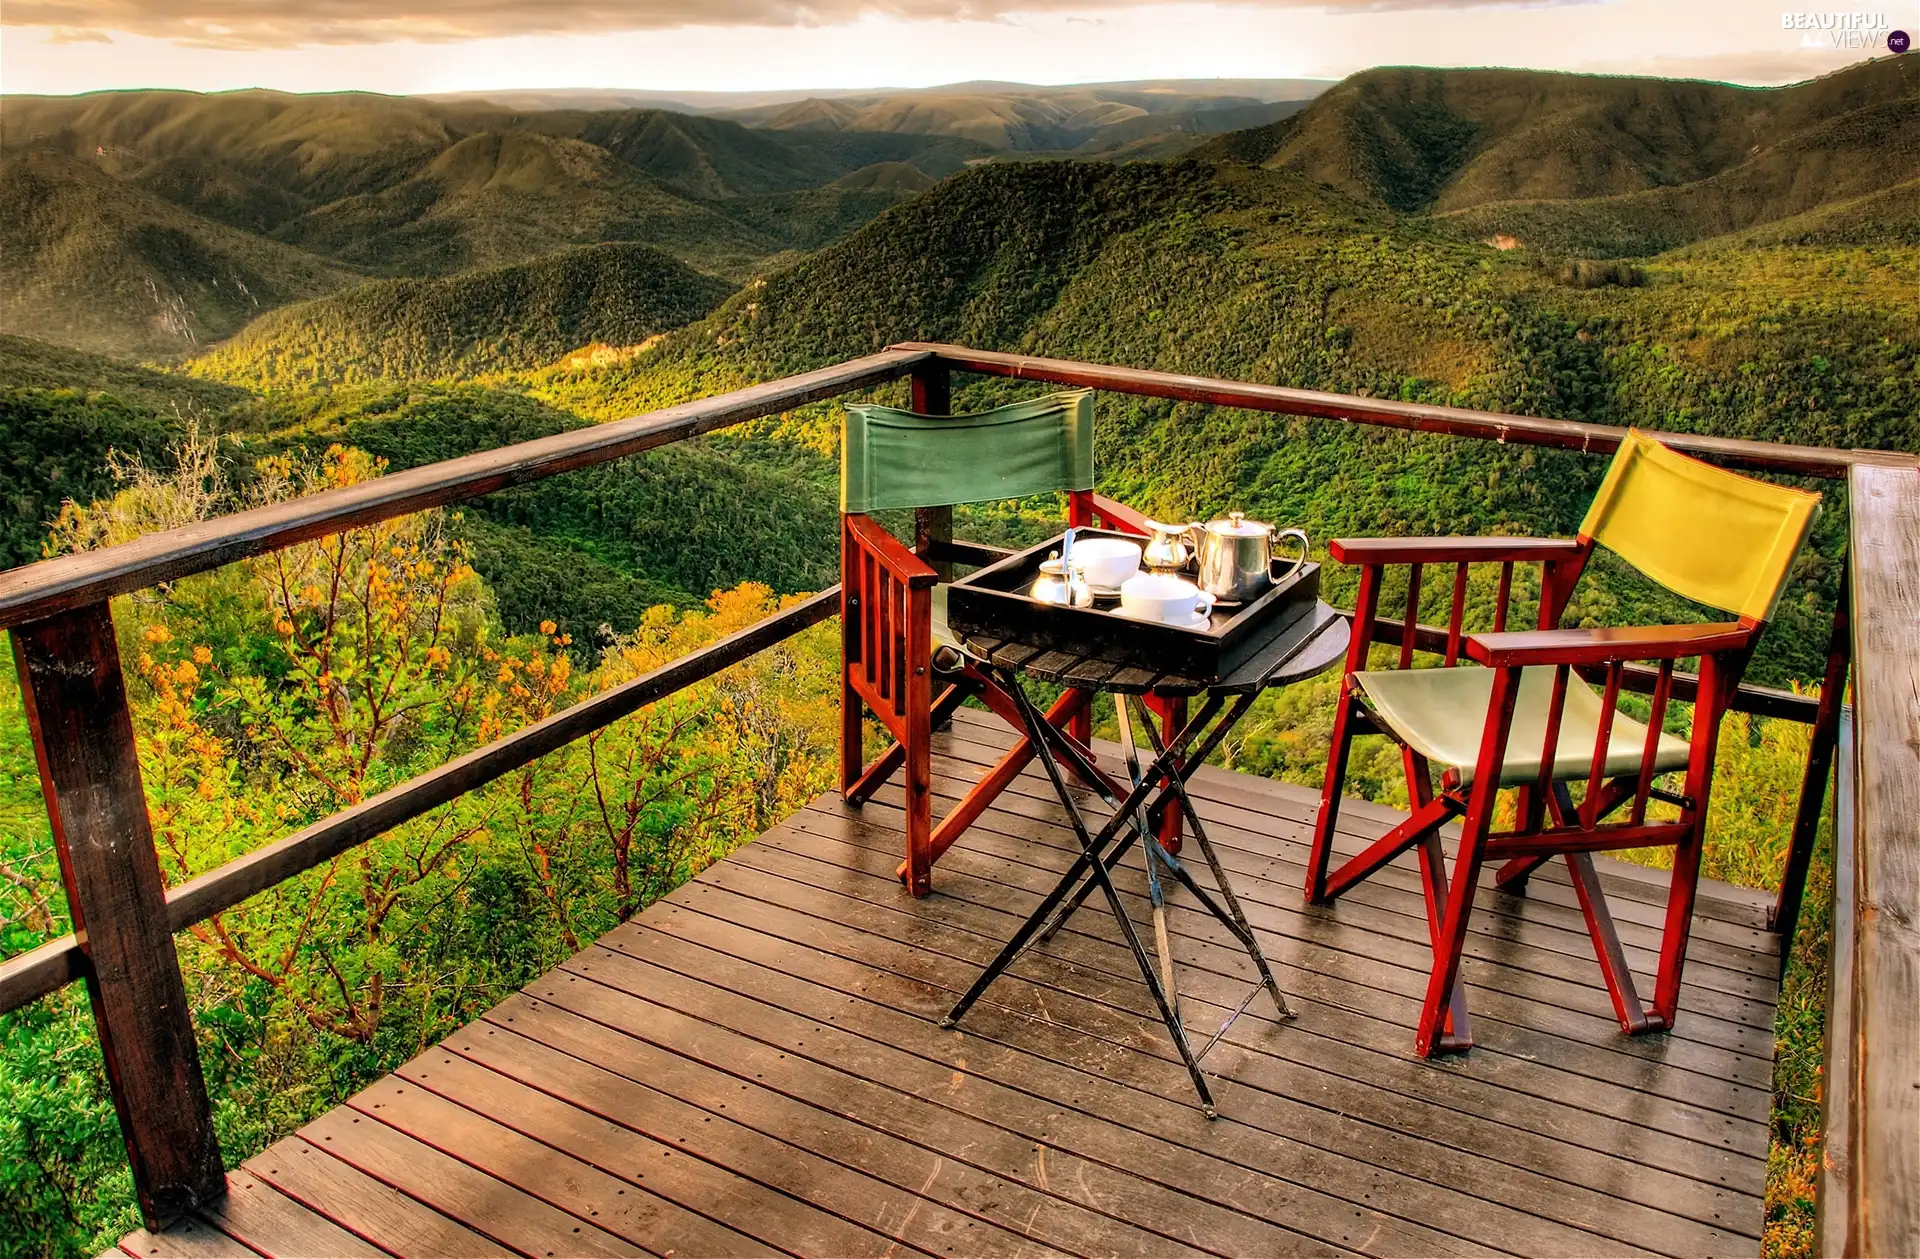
(1713,536)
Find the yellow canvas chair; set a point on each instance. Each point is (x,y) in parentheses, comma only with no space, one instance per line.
(1531,718)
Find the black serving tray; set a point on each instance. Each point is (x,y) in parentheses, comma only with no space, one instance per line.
(993,603)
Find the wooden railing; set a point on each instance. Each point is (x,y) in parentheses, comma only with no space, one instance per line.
(124,919)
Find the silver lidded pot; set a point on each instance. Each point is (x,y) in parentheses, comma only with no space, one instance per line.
(1235,556)
(1058,586)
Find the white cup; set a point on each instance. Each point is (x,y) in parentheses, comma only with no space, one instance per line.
(1106,563)
(1166,598)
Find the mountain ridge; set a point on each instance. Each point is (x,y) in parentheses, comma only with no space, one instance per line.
(1450,141)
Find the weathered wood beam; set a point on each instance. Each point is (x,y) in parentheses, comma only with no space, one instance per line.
(76,706)
(1881,1085)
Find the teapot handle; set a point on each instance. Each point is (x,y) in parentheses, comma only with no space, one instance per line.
(1298,564)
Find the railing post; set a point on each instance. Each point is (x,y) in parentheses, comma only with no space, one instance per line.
(933,395)
(76,706)
(1813,786)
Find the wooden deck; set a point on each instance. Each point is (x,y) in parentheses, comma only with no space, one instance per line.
(753,1066)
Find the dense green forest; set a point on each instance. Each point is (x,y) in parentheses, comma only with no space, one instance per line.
(1656,274)
(517,316)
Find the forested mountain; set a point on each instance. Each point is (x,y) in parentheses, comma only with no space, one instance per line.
(1267,276)
(1598,163)
(93,261)
(471,324)
(153,223)
(1022,117)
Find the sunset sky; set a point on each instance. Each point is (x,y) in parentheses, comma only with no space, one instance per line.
(451,45)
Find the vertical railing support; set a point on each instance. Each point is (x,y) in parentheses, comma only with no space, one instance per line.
(1806,822)
(933,395)
(76,705)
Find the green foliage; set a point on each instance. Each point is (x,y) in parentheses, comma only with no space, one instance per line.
(472,324)
(271,693)
(669,525)
(90,261)
(56,449)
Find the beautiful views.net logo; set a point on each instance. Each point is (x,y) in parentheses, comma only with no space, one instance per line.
(1845,30)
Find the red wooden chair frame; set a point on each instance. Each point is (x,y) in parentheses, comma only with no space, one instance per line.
(888,667)
(1549,822)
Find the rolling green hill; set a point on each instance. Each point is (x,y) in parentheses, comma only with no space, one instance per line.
(90,261)
(1023,117)
(1266,276)
(1598,163)
(152,223)
(499,197)
(475,323)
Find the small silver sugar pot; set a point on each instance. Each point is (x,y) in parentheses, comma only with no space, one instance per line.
(1059,585)
(1235,557)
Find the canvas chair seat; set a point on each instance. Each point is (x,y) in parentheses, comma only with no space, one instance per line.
(1442,715)
(942,635)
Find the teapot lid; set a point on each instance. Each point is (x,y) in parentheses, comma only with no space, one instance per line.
(1236,525)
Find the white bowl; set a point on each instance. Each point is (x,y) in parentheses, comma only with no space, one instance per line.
(1165,598)
(1106,563)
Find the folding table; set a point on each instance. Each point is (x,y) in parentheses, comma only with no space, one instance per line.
(1309,645)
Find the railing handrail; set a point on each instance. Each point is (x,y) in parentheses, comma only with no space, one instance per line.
(1600,439)
(34,591)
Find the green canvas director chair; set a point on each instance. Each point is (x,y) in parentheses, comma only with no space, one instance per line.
(1530,719)
(898,660)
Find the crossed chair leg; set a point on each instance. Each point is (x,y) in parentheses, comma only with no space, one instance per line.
(1445,1026)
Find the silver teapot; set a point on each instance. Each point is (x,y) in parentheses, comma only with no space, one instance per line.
(1236,556)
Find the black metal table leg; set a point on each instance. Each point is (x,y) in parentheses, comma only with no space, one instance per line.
(1238,919)
(1091,852)
(1165,775)
(1090,848)
(1141,829)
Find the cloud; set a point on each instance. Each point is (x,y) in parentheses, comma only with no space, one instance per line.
(78,35)
(255,24)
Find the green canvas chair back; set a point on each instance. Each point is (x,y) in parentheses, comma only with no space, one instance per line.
(891,458)
(1713,536)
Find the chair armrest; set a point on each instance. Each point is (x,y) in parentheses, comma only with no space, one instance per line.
(1606,644)
(1452,550)
(890,552)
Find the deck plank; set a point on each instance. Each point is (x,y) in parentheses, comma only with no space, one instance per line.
(755,1066)
(1084,1034)
(1343,1078)
(259,1215)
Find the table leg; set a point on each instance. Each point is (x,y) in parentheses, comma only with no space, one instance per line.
(1234,918)
(1179,765)
(1156,894)
(1091,850)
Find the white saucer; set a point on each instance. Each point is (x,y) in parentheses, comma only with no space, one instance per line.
(1198,622)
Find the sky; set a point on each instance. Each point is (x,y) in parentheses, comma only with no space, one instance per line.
(418,46)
